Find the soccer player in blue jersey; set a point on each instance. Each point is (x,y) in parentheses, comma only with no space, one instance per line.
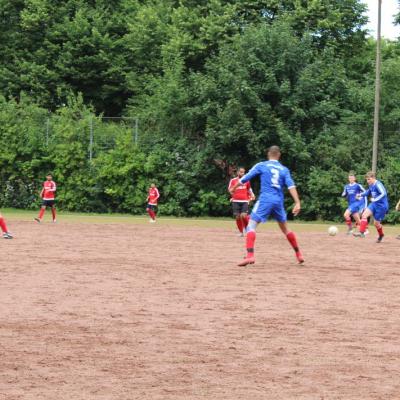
(378,207)
(274,178)
(355,206)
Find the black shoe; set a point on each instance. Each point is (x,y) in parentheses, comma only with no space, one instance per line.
(7,235)
(380,238)
(37,220)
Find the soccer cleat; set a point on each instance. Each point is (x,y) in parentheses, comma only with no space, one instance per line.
(37,220)
(7,235)
(54,221)
(246,261)
(152,221)
(398,237)
(300,258)
(359,234)
(240,234)
(349,231)
(366,232)
(380,238)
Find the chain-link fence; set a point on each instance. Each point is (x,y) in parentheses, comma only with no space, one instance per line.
(98,133)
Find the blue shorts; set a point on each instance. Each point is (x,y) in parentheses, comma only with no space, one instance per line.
(378,211)
(357,207)
(265,208)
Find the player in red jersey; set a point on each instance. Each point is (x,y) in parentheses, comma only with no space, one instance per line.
(48,194)
(152,201)
(240,199)
(3,226)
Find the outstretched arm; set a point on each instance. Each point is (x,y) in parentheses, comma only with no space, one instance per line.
(296,199)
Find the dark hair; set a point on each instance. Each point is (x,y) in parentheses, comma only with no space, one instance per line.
(50,175)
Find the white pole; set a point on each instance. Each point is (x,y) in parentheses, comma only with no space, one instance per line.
(377,90)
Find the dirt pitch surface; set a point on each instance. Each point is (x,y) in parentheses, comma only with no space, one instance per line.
(140,311)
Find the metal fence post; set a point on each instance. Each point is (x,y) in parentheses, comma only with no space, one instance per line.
(136,129)
(47,130)
(90,138)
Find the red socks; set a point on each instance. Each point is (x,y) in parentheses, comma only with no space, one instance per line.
(363,225)
(245,221)
(348,223)
(291,237)
(41,213)
(239,224)
(380,230)
(3,225)
(250,240)
(151,214)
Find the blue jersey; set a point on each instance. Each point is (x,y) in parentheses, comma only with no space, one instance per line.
(351,191)
(274,178)
(378,193)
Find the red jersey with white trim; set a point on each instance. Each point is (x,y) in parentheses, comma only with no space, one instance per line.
(49,190)
(153,196)
(243,193)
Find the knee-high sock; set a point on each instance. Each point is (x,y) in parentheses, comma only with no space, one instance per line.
(41,213)
(348,222)
(380,229)
(239,224)
(245,221)
(250,240)
(151,213)
(3,225)
(291,237)
(363,225)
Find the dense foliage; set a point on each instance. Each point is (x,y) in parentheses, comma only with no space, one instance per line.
(211,84)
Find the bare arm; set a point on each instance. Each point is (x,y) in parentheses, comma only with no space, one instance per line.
(398,206)
(296,199)
(252,195)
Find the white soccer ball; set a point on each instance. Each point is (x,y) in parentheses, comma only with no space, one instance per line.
(333,230)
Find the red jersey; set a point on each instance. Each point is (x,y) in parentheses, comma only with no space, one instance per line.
(153,196)
(243,193)
(49,190)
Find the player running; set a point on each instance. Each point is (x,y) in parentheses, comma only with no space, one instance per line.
(3,227)
(355,206)
(48,194)
(152,201)
(274,177)
(378,207)
(240,201)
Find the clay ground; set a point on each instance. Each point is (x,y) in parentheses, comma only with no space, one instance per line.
(138,311)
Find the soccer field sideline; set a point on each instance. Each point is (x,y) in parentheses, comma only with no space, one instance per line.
(206,222)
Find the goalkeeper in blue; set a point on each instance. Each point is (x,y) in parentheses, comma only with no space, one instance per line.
(355,206)
(378,207)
